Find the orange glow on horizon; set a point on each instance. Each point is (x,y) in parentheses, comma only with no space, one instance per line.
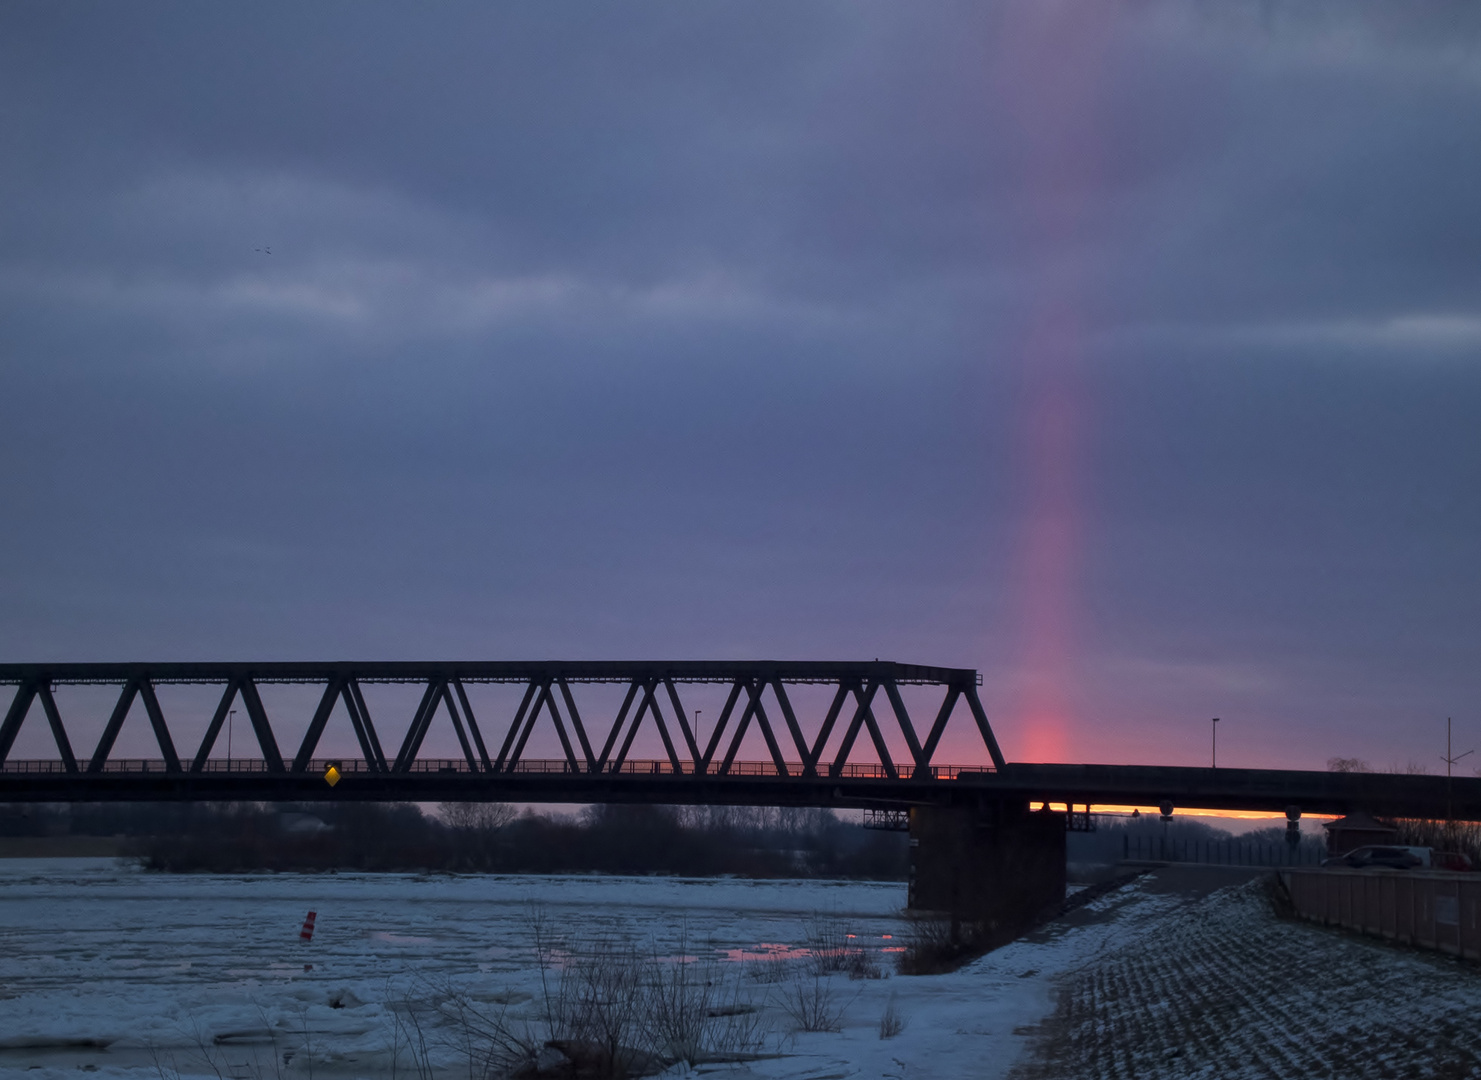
(1152,811)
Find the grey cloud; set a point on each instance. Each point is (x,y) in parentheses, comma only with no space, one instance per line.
(601,331)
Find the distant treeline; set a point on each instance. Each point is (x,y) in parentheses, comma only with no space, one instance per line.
(492,838)
(1107,843)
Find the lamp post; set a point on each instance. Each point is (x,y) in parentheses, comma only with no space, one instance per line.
(1450,759)
(1214,727)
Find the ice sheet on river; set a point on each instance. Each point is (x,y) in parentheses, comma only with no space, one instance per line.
(118,972)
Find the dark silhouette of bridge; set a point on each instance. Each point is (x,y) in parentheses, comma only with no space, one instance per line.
(811,760)
(977,848)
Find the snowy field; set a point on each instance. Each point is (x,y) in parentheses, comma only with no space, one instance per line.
(125,974)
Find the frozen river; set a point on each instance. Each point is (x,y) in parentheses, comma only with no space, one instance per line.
(121,973)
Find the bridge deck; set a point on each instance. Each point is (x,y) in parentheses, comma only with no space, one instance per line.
(812,760)
(754,782)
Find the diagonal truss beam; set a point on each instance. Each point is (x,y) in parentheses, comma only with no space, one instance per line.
(266,741)
(58,732)
(503,763)
(758,709)
(483,753)
(213,729)
(370,743)
(161,730)
(690,743)
(575,715)
(547,699)
(418,729)
(316,726)
(906,728)
(840,698)
(114,726)
(25,693)
(651,691)
(452,711)
(928,750)
(785,704)
(627,703)
(978,714)
(721,723)
(864,717)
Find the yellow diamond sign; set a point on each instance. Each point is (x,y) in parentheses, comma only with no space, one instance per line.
(332,776)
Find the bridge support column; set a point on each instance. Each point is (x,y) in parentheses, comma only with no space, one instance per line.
(998,866)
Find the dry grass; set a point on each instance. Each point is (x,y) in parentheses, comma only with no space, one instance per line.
(891,1021)
(606,1011)
(811,1003)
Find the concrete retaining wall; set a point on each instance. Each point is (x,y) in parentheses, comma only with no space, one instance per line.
(1432,909)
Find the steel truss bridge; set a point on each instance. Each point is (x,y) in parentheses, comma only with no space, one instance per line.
(809,757)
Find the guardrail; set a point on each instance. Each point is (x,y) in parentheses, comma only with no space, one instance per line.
(1430,909)
(553,766)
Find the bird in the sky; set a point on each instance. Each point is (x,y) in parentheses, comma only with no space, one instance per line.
(264,250)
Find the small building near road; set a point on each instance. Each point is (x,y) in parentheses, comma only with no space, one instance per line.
(1355,831)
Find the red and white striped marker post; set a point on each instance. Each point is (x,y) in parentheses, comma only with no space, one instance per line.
(307,933)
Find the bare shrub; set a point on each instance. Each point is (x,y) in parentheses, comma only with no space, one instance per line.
(811,1004)
(827,942)
(863,964)
(693,1012)
(493,1043)
(606,1011)
(936,946)
(738,1028)
(832,949)
(891,1022)
(211,1052)
(596,1019)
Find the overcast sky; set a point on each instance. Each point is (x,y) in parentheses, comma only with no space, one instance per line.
(1127,352)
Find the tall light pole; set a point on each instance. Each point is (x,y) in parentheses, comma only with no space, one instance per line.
(1450,759)
(1215,728)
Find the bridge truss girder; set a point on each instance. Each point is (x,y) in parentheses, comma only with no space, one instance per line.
(653,693)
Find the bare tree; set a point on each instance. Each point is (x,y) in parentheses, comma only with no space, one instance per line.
(476,817)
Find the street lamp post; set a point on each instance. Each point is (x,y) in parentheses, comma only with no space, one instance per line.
(1450,759)
(1215,728)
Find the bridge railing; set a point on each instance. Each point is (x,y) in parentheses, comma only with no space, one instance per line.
(525,766)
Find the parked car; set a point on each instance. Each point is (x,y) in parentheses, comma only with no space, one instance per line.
(1450,860)
(1394,858)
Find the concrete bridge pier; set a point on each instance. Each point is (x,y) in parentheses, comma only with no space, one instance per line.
(996,866)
